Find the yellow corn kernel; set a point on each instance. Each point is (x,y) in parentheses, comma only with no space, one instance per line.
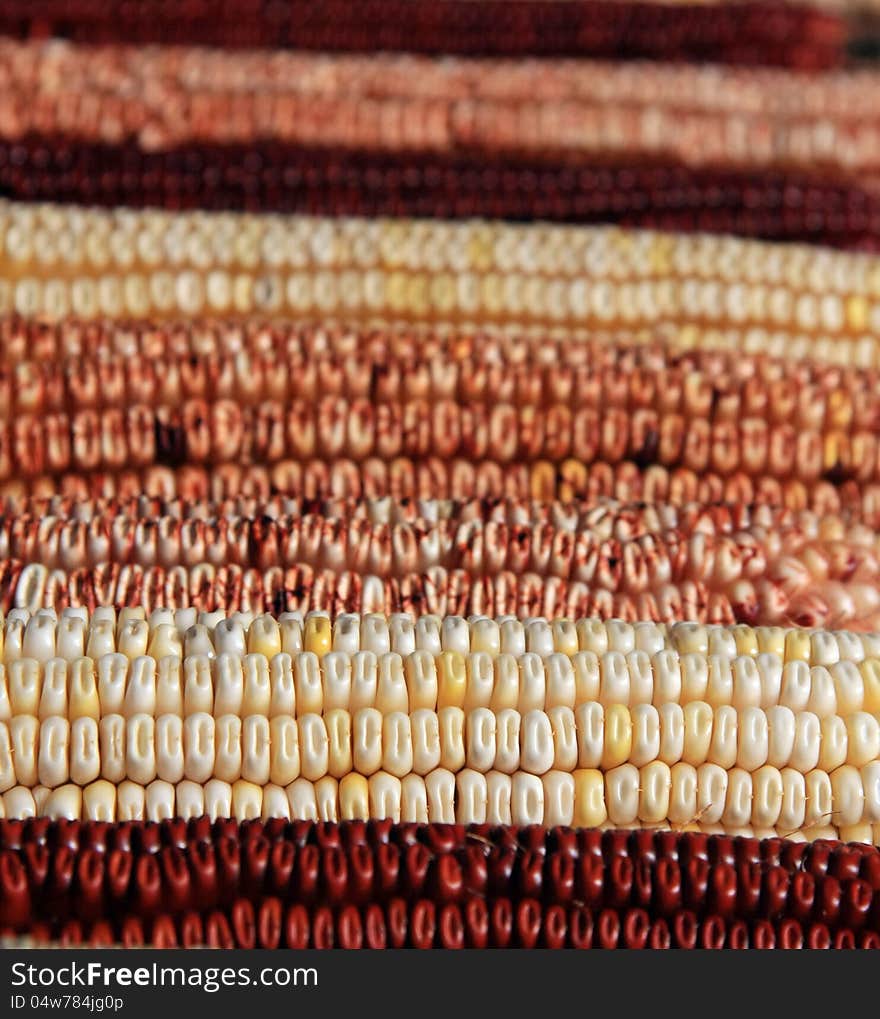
(870,672)
(771,640)
(318,636)
(618,736)
(797,646)
(857,313)
(354,798)
(746,639)
(565,637)
(589,798)
(451,679)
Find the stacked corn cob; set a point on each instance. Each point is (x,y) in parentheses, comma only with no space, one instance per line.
(487,721)
(492,575)
(301,885)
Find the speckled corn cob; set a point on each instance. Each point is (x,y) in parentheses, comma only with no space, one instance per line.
(432,478)
(646,399)
(714,564)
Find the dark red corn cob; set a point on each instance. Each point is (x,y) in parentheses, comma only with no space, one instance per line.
(748,33)
(302,883)
(769,205)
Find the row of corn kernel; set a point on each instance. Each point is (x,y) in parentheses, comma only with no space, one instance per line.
(702,384)
(360,431)
(249,342)
(73,633)
(813,806)
(52,751)
(432,478)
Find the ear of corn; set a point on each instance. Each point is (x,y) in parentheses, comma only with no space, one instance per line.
(479,721)
(753,34)
(411,271)
(627,563)
(696,115)
(443,185)
(382,885)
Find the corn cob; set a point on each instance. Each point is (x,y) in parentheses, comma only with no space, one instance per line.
(770,205)
(804,570)
(699,116)
(750,35)
(53,884)
(633,559)
(411,270)
(705,877)
(570,740)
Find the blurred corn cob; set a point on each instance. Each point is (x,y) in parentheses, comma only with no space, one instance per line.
(751,33)
(767,204)
(697,115)
(97,264)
